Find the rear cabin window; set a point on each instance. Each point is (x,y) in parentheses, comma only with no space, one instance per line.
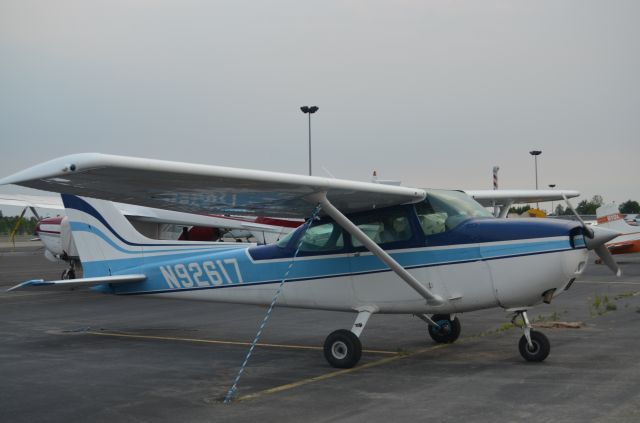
(322,237)
(384,227)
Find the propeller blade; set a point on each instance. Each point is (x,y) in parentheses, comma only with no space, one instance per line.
(598,242)
(587,229)
(607,258)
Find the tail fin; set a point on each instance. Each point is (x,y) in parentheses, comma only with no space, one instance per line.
(108,244)
(609,217)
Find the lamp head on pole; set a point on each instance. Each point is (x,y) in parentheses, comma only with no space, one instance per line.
(535,152)
(309,109)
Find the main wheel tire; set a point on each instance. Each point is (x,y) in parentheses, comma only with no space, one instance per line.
(540,349)
(342,349)
(449,330)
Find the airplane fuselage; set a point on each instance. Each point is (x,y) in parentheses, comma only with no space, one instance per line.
(481,263)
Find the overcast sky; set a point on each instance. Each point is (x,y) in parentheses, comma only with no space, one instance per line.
(433,93)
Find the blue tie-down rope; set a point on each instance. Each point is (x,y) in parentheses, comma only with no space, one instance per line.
(231,393)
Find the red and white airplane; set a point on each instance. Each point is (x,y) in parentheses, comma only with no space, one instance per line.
(609,217)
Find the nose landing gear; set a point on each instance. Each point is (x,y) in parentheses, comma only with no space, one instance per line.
(534,346)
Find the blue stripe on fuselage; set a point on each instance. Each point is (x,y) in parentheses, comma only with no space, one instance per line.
(189,271)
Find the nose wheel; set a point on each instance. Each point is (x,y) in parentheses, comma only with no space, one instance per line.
(534,346)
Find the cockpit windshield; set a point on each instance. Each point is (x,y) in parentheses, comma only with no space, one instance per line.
(444,210)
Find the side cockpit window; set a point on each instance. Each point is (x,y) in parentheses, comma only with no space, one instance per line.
(444,210)
(431,222)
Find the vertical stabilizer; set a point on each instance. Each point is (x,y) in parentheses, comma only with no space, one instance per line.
(108,244)
(609,216)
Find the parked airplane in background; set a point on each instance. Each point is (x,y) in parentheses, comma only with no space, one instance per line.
(609,216)
(55,234)
(366,248)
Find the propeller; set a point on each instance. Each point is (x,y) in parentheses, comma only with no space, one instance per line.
(595,239)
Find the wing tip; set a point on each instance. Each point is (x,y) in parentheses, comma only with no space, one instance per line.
(32,282)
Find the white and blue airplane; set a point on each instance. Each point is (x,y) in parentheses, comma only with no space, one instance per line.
(367,248)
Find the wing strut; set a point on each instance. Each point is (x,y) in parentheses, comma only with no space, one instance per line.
(504,211)
(347,225)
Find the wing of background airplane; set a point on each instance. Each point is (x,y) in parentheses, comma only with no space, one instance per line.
(194,188)
(52,202)
(505,198)
(514,196)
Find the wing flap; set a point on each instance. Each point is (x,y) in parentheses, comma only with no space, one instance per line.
(73,283)
(195,188)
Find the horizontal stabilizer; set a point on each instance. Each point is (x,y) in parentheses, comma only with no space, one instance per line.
(72,283)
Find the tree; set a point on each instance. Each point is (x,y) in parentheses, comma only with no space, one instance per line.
(630,206)
(589,207)
(519,210)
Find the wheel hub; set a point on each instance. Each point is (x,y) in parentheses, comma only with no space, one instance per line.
(445,327)
(339,350)
(533,348)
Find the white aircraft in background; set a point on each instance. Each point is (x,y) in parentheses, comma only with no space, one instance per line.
(609,216)
(366,248)
(55,234)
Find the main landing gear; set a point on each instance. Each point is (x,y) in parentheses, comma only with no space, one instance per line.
(342,348)
(534,346)
(442,327)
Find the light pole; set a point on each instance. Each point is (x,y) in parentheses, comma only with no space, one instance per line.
(309,110)
(552,186)
(535,154)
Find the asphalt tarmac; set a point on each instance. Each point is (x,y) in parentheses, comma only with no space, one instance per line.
(84,356)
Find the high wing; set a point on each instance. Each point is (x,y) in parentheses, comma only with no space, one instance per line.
(513,196)
(195,188)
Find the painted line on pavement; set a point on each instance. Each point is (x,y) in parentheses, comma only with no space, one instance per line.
(337,373)
(220,342)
